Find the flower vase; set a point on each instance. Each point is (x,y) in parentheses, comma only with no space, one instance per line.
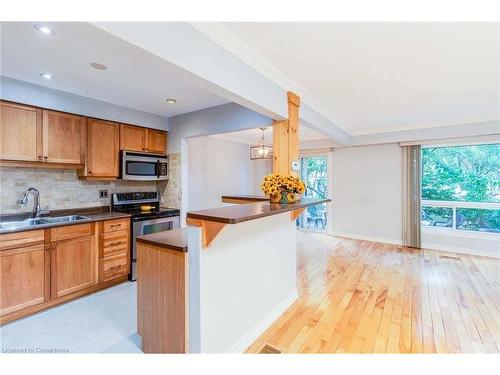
(275,198)
(287,197)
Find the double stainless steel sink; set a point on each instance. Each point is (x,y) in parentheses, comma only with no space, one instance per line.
(40,222)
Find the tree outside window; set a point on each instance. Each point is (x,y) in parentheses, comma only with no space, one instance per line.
(462,174)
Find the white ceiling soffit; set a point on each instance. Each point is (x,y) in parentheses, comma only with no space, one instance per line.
(374,78)
(134,78)
(253,136)
(216,69)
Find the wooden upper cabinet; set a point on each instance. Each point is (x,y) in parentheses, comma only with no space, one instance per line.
(156,141)
(36,137)
(136,138)
(103,149)
(29,134)
(132,138)
(63,138)
(20,132)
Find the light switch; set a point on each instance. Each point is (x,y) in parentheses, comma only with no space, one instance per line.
(295,166)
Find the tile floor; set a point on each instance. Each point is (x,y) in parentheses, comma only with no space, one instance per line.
(103,322)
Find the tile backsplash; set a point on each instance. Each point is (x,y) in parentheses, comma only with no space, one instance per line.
(61,189)
(171,191)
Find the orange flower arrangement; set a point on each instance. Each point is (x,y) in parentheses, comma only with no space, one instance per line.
(282,188)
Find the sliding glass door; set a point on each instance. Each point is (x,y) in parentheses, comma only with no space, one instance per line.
(314,173)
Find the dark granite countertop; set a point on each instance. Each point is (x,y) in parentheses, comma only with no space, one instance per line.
(99,213)
(244,212)
(174,239)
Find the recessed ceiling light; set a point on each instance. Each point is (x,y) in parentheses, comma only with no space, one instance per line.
(46,75)
(98,66)
(44,29)
(171,101)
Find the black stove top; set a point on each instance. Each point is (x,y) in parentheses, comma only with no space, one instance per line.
(141,205)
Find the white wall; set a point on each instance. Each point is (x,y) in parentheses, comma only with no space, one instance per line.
(218,167)
(210,121)
(366,202)
(483,244)
(367,191)
(241,284)
(29,93)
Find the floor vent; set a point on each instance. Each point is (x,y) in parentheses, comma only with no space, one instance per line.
(449,257)
(268,349)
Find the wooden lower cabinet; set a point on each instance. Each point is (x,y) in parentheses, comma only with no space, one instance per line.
(113,267)
(114,249)
(72,265)
(23,277)
(43,268)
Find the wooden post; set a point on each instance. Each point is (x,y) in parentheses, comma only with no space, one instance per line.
(293,130)
(286,138)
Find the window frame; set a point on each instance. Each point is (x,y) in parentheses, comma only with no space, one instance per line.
(456,204)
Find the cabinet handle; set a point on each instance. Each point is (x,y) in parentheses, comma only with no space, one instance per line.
(39,157)
(115,267)
(53,246)
(116,243)
(89,172)
(115,225)
(45,158)
(47,247)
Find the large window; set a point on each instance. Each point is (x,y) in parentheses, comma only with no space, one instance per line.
(461,187)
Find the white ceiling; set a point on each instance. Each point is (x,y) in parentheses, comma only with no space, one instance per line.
(134,79)
(377,77)
(253,136)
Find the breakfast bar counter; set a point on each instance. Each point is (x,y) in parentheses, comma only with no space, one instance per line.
(244,212)
(175,239)
(237,276)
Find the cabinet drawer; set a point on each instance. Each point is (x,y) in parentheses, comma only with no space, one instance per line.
(113,266)
(113,243)
(11,240)
(115,225)
(71,231)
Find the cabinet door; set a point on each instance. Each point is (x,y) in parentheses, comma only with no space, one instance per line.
(132,138)
(63,137)
(157,141)
(103,149)
(72,266)
(24,277)
(20,132)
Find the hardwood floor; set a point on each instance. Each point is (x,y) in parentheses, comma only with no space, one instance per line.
(365,297)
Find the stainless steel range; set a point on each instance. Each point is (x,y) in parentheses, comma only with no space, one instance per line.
(147,217)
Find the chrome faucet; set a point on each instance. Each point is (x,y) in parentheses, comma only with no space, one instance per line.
(36,200)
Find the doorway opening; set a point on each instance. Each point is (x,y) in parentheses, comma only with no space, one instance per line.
(314,173)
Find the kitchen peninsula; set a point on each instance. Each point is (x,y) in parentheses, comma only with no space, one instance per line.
(215,286)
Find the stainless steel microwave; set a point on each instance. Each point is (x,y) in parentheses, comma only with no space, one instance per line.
(143,167)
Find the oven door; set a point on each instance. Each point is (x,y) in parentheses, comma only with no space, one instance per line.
(141,228)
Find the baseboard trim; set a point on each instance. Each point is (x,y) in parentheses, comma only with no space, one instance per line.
(263,324)
(459,250)
(368,238)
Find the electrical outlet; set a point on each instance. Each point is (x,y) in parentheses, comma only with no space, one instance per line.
(103,194)
(370,225)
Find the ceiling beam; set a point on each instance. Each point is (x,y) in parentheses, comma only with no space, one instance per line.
(210,66)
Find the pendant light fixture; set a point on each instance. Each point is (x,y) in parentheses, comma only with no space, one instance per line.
(261,151)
